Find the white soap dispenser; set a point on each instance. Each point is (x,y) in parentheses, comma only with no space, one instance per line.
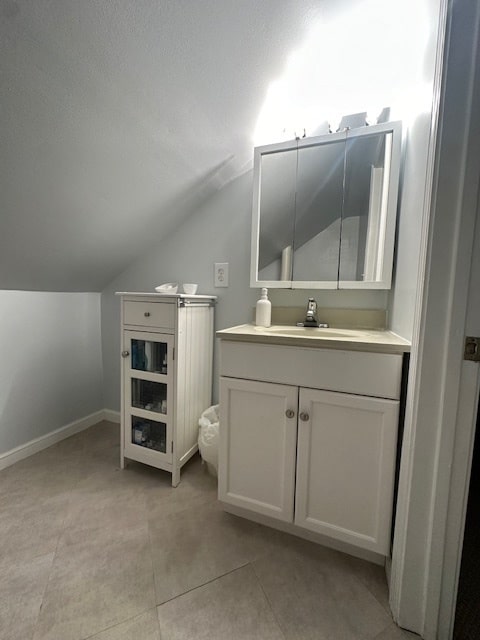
(263,315)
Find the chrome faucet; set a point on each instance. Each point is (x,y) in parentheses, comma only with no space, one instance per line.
(311,319)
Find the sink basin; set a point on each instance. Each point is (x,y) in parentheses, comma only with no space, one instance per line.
(318,332)
(354,339)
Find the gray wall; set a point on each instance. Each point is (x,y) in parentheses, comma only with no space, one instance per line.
(51,367)
(114,217)
(119,116)
(219,231)
(409,229)
(411,219)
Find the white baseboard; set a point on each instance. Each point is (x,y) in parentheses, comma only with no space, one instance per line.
(38,444)
(111,415)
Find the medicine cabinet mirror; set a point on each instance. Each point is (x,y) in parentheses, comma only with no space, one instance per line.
(324,210)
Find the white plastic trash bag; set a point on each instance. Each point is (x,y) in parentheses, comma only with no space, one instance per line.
(208,438)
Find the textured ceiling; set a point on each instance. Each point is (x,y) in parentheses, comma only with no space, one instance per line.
(117,118)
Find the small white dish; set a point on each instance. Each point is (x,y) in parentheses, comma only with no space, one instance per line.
(168,287)
(190,289)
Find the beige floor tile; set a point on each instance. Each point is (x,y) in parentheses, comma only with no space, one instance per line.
(102,546)
(110,478)
(52,472)
(232,607)
(103,446)
(114,511)
(106,500)
(31,526)
(200,544)
(196,487)
(22,585)
(43,475)
(372,576)
(395,633)
(316,597)
(101,435)
(59,468)
(97,580)
(142,627)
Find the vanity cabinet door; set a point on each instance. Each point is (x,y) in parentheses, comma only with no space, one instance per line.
(346,466)
(257,450)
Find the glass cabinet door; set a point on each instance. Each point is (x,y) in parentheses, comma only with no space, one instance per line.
(148,384)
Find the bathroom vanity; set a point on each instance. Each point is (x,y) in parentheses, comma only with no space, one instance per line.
(308,437)
(167,346)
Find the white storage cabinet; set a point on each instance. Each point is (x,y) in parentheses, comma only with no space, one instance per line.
(167,347)
(320,453)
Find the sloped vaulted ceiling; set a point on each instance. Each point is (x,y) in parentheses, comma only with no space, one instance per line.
(118,117)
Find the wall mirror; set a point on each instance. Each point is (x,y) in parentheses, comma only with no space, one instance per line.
(324,210)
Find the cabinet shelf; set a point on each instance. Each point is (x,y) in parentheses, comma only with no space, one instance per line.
(150,376)
(149,415)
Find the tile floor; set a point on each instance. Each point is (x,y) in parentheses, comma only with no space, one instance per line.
(90,551)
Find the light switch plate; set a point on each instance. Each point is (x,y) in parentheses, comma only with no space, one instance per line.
(221,274)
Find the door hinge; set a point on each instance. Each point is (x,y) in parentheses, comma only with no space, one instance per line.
(472,349)
(173,353)
(172,446)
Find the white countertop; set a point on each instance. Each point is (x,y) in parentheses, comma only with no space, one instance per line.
(375,340)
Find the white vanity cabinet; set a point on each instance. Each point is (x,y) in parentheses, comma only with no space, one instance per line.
(320,453)
(167,347)
(346,466)
(258,445)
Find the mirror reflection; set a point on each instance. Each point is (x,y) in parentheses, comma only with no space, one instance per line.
(318,211)
(325,208)
(277,218)
(366,184)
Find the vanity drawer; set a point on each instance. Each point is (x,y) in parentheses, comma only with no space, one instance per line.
(358,372)
(149,314)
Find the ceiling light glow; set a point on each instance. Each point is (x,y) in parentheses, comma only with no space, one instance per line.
(365,59)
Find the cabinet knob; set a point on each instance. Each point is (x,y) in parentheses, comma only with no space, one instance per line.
(289,413)
(147,314)
(304,417)
(125,354)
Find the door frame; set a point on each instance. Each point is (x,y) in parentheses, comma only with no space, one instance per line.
(437,447)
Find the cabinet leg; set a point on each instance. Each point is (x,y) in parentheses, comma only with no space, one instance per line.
(175,478)
(122,462)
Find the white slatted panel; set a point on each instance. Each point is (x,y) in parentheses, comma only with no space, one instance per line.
(190,380)
(180,386)
(195,364)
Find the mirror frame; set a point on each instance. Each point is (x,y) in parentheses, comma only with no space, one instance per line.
(389,210)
